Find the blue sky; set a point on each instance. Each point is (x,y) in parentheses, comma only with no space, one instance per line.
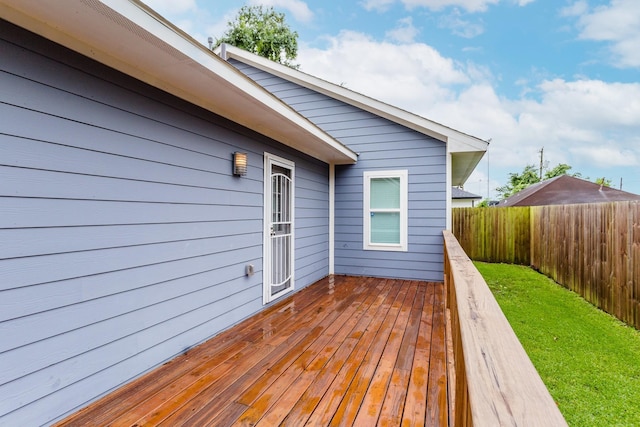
(527,74)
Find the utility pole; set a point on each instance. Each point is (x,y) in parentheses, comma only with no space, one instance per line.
(541,161)
(488,194)
(620,183)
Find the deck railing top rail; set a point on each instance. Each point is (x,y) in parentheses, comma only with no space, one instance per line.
(496,383)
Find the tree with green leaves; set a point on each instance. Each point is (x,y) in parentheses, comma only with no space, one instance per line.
(519,181)
(262,31)
(561,169)
(603,181)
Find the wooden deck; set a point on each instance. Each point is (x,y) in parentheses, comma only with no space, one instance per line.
(344,351)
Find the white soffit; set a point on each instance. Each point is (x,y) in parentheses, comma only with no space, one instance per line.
(132,38)
(463,164)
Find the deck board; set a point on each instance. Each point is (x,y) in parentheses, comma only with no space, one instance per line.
(344,351)
(396,397)
(437,388)
(416,402)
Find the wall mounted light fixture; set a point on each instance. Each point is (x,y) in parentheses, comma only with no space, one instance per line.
(239,163)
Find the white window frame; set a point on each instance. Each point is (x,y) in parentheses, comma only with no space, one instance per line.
(404,211)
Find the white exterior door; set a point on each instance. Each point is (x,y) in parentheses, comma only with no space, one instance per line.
(278,241)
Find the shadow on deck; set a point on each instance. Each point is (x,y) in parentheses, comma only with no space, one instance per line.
(343,351)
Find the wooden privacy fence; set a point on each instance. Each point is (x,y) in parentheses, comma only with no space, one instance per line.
(495,382)
(494,234)
(592,249)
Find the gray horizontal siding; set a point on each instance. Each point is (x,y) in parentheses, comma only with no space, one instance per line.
(124,235)
(311,224)
(381,145)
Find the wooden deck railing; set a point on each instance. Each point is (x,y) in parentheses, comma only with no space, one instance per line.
(496,384)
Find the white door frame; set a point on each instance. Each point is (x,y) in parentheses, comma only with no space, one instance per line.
(268,235)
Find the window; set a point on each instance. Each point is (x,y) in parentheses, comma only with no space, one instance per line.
(385,210)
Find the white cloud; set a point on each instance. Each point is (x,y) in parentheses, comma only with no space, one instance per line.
(405,32)
(611,156)
(589,124)
(473,49)
(218,26)
(406,75)
(619,24)
(610,105)
(460,27)
(379,5)
(576,9)
(468,5)
(299,9)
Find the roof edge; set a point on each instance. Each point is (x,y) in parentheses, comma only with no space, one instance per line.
(132,38)
(456,140)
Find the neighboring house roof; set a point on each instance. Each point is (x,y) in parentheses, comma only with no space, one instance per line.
(564,190)
(466,150)
(132,38)
(458,193)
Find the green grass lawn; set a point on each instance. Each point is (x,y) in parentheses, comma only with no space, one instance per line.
(589,360)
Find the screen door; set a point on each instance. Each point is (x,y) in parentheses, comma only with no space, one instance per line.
(278,277)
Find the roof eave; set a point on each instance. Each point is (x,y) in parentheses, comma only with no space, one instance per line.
(466,150)
(128,36)
(459,140)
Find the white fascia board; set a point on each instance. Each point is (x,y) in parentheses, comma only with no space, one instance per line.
(462,143)
(457,141)
(132,38)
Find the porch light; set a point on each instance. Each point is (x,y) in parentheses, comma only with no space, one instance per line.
(239,164)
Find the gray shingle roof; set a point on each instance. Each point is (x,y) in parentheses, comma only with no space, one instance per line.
(457,193)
